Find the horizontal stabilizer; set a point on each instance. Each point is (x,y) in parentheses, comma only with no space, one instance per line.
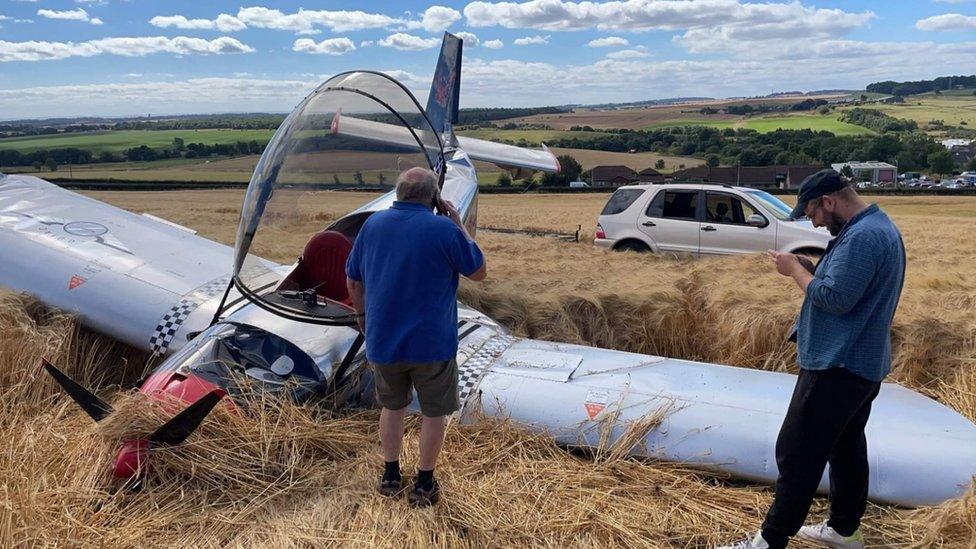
(506,156)
(95,407)
(184,423)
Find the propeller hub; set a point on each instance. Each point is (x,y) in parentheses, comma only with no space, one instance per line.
(131,459)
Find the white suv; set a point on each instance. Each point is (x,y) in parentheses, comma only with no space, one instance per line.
(703,220)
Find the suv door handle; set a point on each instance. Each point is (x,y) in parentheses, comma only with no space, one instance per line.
(649,224)
(709,228)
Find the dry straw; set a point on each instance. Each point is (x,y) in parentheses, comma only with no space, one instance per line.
(283,475)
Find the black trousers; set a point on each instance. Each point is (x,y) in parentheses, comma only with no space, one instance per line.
(824,424)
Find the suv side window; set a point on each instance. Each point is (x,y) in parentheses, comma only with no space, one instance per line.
(726,208)
(673,204)
(621,200)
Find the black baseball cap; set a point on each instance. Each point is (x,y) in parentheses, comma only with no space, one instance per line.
(815,186)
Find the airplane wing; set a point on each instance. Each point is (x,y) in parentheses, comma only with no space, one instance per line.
(500,154)
(138,279)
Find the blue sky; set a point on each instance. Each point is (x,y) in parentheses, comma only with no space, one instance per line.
(130,57)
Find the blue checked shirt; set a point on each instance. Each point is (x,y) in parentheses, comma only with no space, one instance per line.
(845,321)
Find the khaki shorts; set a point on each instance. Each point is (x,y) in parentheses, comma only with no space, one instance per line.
(436,384)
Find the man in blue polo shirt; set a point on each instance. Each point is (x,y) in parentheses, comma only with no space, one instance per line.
(402,276)
(843,336)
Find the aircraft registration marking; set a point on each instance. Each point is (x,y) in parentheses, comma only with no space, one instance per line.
(596,402)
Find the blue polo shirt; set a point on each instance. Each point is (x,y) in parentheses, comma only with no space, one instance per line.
(845,321)
(408,260)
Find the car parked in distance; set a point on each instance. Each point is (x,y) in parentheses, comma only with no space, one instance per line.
(703,220)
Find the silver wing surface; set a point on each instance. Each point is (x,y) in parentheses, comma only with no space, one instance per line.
(717,417)
(138,279)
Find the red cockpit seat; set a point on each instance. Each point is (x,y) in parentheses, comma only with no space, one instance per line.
(323,266)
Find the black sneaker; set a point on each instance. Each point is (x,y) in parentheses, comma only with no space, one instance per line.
(390,487)
(424,497)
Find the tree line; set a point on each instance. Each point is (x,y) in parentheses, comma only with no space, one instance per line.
(890,87)
(911,150)
(52,158)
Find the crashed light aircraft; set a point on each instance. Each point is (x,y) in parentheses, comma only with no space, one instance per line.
(217,314)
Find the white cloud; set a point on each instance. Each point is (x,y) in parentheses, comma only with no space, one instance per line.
(526,40)
(134,75)
(223,23)
(180,22)
(201,95)
(307,20)
(609,41)
(366,43)
(494,44)
(719,22)
(92,2)
(228,23)
(331,46)
(439,18)
(470,40)
(947,22)
(125,46)
(851,65)
(68,15)
(408,78)
(403,41)
(4,18)
(627,54)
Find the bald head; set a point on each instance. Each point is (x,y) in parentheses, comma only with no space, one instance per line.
(417,185)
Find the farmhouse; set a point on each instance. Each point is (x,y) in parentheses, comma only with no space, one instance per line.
(650,175)
(761,177)
(875,172)
(613,176)
(962,154)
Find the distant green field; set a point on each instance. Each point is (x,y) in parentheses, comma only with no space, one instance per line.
(117,141)
(531,136)
(769,123)
(702,121)
(951,109)
(803,122)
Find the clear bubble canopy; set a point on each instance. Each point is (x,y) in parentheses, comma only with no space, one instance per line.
(358,129)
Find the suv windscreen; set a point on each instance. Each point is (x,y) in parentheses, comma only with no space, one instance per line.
(621,200)
(674,205)
(725,208)
(773,205)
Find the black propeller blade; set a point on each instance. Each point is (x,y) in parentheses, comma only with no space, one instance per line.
(183,424)
(95,407)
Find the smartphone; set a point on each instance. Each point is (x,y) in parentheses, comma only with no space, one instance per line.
(438,205)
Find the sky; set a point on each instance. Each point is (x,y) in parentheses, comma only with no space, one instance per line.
(66,58)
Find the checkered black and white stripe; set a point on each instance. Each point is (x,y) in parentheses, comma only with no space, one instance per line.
(173,320)
(473,369)
(169,325)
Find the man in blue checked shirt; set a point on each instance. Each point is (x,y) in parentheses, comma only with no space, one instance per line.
(843,336)
(402,275)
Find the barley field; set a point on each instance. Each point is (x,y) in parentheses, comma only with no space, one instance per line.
(292,476)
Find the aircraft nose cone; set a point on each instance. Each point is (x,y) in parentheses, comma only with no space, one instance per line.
(131,458)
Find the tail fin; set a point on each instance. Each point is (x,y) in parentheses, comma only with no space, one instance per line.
(442,104)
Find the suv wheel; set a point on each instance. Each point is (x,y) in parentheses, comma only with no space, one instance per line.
(633,246)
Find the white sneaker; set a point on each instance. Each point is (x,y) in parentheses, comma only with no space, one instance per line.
(830,538)
(756,542)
